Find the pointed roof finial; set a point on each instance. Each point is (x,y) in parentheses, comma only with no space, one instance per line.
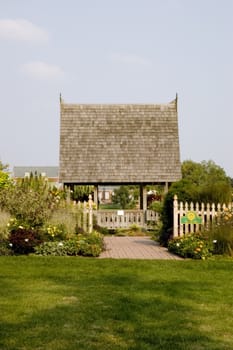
(61,100)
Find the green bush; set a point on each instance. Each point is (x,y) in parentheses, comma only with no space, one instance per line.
(70,247)
(194,246)
(83,244)
(30,200)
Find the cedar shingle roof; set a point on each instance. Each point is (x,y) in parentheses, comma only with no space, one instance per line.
(125,143)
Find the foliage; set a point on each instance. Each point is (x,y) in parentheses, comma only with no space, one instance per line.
(193,245)
(132,230)
(156,206)
(221,233)
(54,232)
(202,182)
(5,180)
(5,248)
(30,201)
(4,224)
(82,244)
(81,193)
(211,181)
(124,197)
(63,220)
(24,240)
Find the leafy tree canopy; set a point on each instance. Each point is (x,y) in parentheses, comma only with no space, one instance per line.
(202,173)
(124,197)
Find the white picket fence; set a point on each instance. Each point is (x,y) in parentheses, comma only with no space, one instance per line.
(205,215)
(113,219)
(84,215)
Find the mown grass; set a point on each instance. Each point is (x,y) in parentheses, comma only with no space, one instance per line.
(69,303)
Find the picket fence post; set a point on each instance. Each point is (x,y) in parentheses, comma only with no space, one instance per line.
(175,216)
(90,214)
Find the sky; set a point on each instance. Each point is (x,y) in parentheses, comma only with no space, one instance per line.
(115,51)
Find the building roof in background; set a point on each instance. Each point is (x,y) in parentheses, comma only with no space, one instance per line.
(125,143)
(48,171)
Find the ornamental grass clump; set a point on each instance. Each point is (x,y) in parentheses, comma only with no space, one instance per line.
(221,233)
(194,246)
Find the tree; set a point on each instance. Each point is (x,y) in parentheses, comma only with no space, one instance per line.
(211,182)
(123,197)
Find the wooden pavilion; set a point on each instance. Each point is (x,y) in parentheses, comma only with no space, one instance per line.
(119,144)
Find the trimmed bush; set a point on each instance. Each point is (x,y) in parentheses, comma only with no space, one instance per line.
(194,246)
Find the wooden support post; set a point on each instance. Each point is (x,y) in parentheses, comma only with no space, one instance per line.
(96,195)
(143,197)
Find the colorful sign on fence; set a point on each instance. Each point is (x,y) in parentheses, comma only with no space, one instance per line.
(191,217)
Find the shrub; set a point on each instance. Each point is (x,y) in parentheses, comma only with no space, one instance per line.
(24,240)
(62,248)
(5,248)
(54,232)
(82,244)
(194,245)
(30,201)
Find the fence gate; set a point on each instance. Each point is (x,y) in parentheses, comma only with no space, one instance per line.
(113,219)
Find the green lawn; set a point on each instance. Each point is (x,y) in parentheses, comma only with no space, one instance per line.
(68,303)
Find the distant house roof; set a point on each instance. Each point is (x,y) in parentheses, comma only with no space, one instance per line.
(47,171)
(125,143)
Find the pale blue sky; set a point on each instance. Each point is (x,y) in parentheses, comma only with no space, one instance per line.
(115,51)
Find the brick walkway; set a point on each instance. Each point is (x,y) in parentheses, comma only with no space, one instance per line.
(134,248)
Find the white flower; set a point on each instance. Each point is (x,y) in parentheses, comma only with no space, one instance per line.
(26,239)
(10,244)
(21,227)
(215,241)
(60,244)
(177,244)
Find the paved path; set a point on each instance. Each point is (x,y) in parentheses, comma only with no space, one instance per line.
(134,248)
